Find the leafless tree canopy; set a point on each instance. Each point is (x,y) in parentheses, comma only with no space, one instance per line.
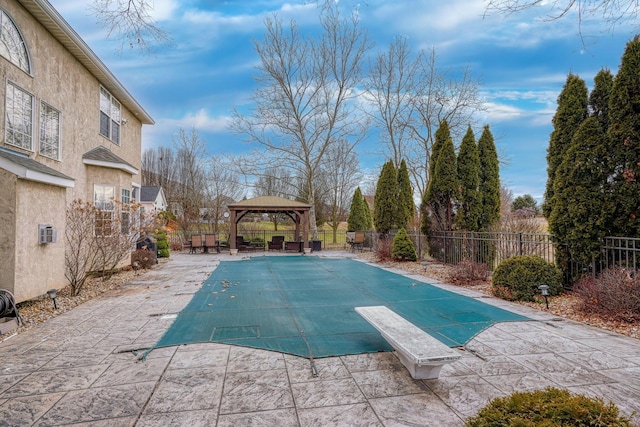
(305,101)
(339,177)
(130,22)
(410,96)
(611,13)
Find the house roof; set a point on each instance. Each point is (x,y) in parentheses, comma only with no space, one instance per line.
(149,193)
(268,202)
(45,13)
(29,169)
(102,156)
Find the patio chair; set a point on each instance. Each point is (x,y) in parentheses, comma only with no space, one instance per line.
(241,244)
(276,243)
(211,242)
(358,241)
(196,242)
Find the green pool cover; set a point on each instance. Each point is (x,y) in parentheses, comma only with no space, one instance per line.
(304,305)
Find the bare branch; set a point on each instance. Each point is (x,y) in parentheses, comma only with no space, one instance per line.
(612,13)
(130,22)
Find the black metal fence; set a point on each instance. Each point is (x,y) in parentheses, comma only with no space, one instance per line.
(451,247)
(491,248)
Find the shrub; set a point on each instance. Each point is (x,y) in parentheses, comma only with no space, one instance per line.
(143,258)
(402,248)
(162,242)
(468,272)
(518,278)
(615,294)
(549,407)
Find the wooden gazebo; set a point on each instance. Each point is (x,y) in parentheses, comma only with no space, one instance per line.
(297,211)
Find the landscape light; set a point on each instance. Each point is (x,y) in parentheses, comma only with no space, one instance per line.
(52,294)
(544,289)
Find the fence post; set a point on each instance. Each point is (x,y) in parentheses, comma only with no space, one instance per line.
(520,244)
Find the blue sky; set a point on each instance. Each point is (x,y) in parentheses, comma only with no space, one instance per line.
(522,62)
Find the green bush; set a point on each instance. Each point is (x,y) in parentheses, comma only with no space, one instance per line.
(518,278)
(548,408)
(402,248)
(162,242)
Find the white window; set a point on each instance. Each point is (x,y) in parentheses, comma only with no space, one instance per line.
(109,116)
(125,214)
(19,117)
(12,44)
(49,131)
(103,199)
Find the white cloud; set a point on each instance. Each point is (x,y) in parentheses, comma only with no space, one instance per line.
(164,129)
(162,10)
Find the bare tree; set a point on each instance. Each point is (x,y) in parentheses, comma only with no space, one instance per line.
(223,187)
(190,176)
(340,176)
(130,22)
(303,103)
(441,94)
(158,168)
(611,13)
(390,88)
(410,97)
(275,181)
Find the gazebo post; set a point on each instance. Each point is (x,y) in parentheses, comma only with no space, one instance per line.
(233,229)
(305,216)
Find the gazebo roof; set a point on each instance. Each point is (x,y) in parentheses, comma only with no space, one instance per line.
(268,202)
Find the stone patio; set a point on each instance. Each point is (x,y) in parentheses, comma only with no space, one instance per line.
(79,369)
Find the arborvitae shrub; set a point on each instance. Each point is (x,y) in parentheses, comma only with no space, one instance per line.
(549,407)
(403,248)
(162,242)
(519,277)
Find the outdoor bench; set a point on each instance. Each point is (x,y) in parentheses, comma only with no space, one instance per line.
(418,351)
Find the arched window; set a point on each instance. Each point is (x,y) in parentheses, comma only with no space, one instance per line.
(12,44)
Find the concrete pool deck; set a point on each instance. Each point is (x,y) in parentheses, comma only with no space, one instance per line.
(79,369)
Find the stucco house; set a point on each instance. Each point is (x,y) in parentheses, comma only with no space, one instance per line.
(152,199)
(69,130)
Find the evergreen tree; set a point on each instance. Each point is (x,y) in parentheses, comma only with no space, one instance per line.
(385,205)
(489,187)
(367,212)
(406,207)
(525,201)
(441,137)
(578,218)
(624,144)
(359,218)
(571,112)
(428,220)
(468,213)
(402,248)
(443,190)
(599,97)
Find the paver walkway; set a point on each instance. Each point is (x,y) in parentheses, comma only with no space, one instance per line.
(78,369)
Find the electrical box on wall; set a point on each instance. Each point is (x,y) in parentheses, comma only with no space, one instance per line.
(46,234)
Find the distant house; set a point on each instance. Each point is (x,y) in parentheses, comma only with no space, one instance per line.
(68,130)
(152,198)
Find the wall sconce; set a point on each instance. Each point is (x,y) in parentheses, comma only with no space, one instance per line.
(52,294)
(124,121)
(544,289)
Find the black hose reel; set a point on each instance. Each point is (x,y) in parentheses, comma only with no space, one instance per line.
(8,306)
